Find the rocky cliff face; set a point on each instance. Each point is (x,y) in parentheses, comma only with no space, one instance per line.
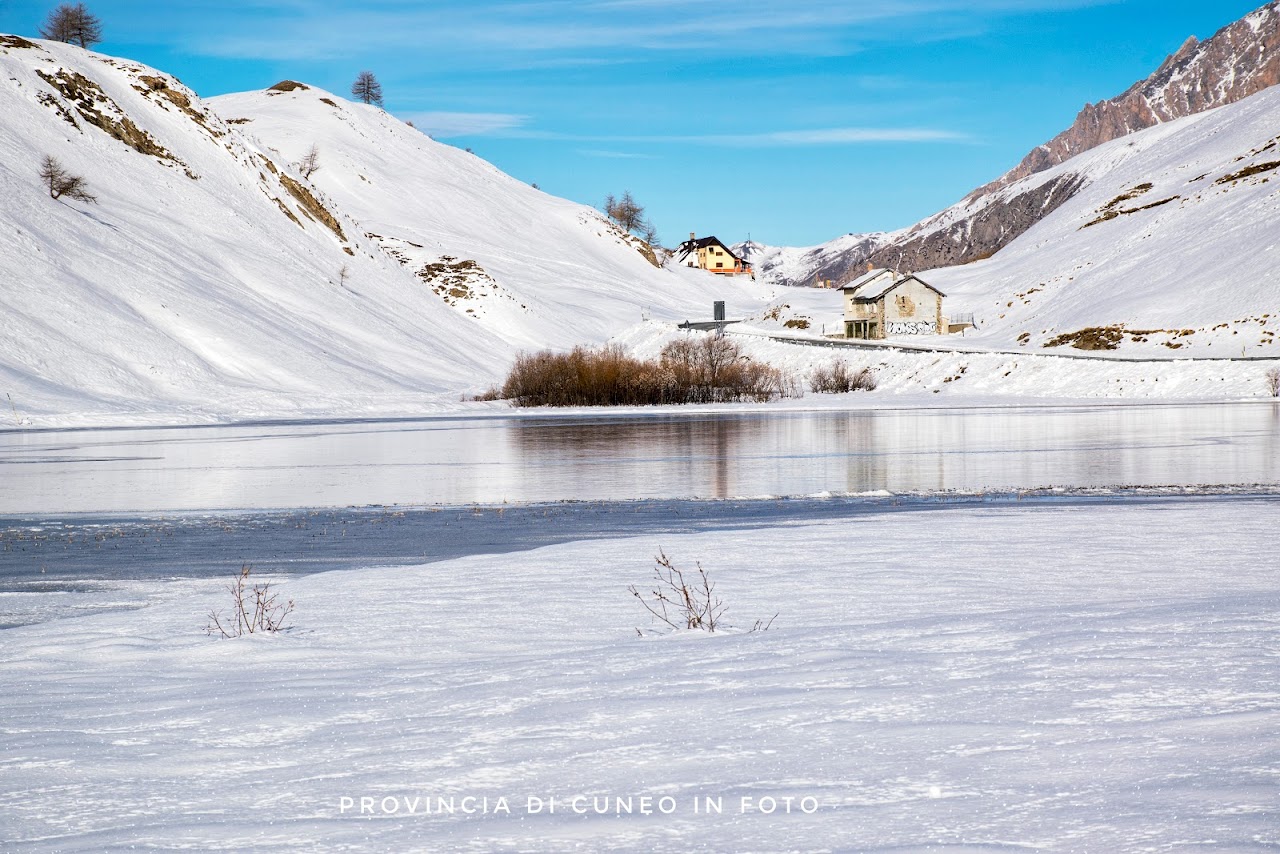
(986,231)
(1240,60)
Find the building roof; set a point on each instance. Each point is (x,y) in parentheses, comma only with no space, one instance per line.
(702,243)
(873,284)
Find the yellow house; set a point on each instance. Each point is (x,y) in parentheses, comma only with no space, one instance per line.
(708,253)
(881,303)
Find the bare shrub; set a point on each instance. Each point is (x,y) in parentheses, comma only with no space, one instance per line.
(255,609)
(679,602)
(583,377)
(1273,382)
(72,23)
(63,183)
(713,369)
(837,377)
(708,369)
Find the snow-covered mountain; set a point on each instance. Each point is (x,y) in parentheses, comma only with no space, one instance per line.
(214,279)
(838,260)
(1238,61)
(1172,242)
(536,269)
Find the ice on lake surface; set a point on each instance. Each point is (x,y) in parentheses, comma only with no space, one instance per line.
(91,512)
(539,459)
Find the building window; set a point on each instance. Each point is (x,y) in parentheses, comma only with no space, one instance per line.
(719,265)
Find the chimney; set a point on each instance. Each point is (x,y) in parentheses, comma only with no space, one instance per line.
(693,235)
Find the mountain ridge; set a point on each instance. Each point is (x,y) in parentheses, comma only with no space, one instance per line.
(1238,61)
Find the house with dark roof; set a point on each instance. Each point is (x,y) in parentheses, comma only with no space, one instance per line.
(708,253)
(882,303)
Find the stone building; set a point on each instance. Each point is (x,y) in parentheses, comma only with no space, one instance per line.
(882,304)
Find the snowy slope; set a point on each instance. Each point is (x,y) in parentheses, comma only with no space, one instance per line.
(983,689)
(213,280)
(1176,233)
(537,269)
(198,284)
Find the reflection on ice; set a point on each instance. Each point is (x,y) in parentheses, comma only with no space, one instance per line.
(607,457)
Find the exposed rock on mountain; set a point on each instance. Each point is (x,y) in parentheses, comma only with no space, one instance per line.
(1239,60)
(945,241)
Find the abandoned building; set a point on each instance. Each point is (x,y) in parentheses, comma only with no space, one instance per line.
(882,303)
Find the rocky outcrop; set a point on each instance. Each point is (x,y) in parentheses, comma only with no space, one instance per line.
(1239,60)
(981,235)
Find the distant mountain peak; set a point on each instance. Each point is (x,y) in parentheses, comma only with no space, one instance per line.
(1239,60)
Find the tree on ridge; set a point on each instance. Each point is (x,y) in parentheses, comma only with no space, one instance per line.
(367,89)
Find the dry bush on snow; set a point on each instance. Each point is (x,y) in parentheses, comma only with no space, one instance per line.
(255,609)
(678,602)
(685,603)
(838,377)
(705,369)
(1273,382)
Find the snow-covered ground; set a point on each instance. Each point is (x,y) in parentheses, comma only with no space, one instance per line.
(914,378)
(945,678)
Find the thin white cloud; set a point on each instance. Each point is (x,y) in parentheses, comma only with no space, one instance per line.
(593,31)
(769,139)
(836,136)
(615,155)
(444,125)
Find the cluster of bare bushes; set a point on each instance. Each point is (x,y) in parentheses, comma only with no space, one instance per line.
(838,377)
(693,369)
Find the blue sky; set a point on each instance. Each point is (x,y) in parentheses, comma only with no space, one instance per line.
(793,122)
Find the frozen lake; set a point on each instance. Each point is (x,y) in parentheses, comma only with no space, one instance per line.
(608,457)
(91,520)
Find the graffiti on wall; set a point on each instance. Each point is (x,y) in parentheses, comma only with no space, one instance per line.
(914,327)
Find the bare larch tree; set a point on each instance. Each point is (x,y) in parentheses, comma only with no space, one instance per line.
(367,88)
(310,162)
(72,23)
(629,214)
(63,183)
